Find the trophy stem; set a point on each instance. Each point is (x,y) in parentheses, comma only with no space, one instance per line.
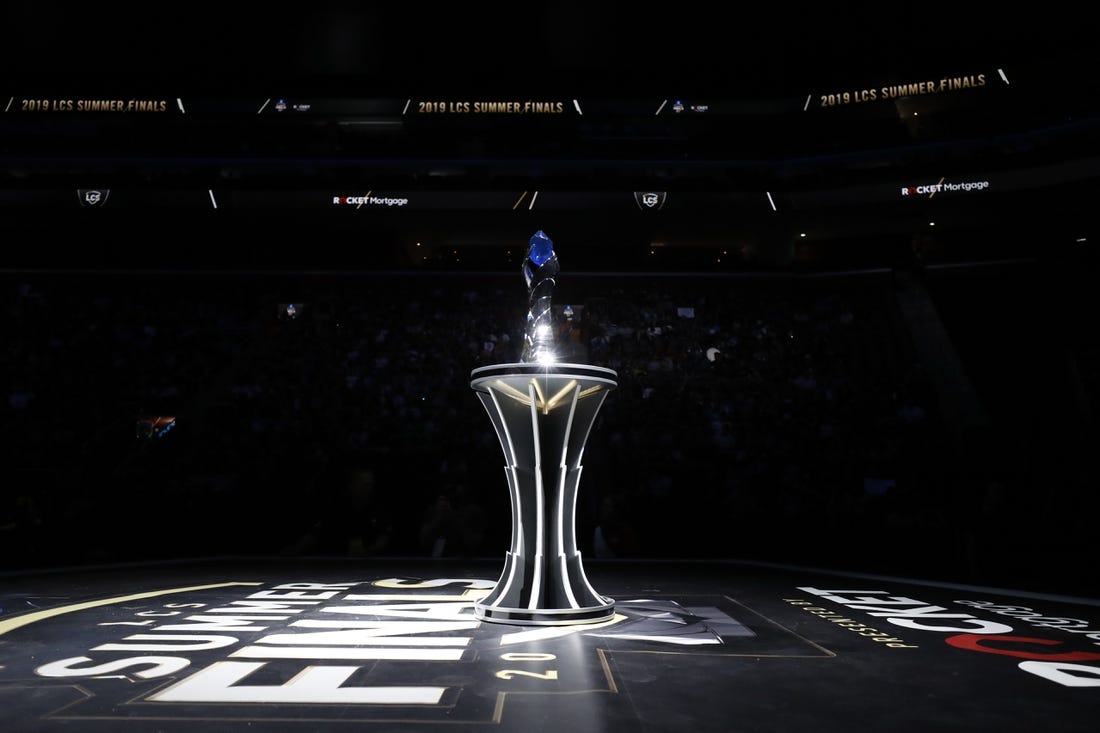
(542,416)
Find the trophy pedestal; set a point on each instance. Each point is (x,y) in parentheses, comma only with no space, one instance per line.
(542,415)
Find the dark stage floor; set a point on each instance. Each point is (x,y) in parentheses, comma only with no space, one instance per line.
(291,645)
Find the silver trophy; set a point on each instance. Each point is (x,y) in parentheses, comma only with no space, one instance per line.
(542,411)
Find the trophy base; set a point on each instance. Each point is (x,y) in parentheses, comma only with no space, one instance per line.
(546,616)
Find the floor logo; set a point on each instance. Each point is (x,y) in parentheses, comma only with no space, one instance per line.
(396,649)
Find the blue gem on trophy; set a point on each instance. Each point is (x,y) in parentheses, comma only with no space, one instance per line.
(542,411)
(539,270)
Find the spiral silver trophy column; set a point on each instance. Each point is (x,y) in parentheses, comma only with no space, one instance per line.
(542,411)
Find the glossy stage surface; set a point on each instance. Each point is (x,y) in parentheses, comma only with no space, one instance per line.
(394,645)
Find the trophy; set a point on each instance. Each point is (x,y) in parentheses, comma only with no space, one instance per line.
(542,411)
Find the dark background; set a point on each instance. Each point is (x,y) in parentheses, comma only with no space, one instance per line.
(890,396)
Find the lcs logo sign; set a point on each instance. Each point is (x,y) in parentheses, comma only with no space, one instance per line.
(93,197)
(652,200)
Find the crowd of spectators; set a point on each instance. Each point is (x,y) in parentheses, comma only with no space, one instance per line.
(780,418)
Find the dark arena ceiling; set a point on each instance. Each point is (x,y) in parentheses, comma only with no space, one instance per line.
(837,132)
